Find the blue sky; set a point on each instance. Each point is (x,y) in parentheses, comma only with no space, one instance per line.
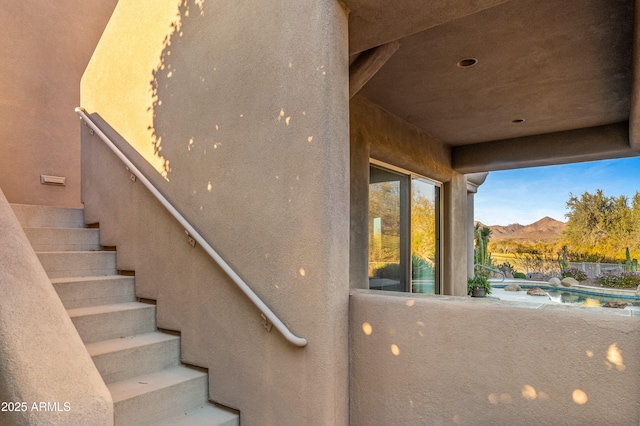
(527,195)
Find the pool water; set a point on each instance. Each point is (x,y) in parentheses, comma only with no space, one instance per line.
(566,296)
(582,299)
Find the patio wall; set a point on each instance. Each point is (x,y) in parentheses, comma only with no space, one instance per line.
(436,360)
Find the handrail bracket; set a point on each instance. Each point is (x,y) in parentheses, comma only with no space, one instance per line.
(266,323)
(190,239)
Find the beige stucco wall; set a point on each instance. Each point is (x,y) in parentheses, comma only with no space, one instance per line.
(45,47)
(376,134)
(434,360)
(42,358)
(243,124)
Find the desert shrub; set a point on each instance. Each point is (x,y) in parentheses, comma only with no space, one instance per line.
(389,270)
(621,280)
(520,275)
(576,273)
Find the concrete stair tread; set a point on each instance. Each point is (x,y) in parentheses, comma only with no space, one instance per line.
(128,342)
(63,239)
(73,252)
(62,228)
(146,383)
(125,357)
(89,279)
(60,264)
(106,322)
(77,292)
(31,215)
(103,309)
(205,415)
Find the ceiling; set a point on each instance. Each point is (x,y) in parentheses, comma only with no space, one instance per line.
(550,82)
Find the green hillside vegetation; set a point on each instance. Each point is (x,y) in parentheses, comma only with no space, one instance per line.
(423,228)
(599,228)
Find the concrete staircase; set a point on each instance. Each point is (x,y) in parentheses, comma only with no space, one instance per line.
(140,365)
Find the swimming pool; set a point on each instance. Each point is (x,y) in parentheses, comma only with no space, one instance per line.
(575,296)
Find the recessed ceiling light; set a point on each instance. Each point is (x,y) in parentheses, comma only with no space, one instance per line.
(467,62)
(518,120)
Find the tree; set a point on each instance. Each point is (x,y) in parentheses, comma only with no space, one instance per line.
(635,222)
(384,222)
(600,228)
(423,228)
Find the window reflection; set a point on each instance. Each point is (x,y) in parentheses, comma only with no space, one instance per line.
(403,232)
(385,268)
(424,236)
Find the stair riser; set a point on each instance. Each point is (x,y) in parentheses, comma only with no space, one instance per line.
(31,216)
(111,325)
(152,407)
(78,264)
(63,239)
(124,364)
(206,415)
(96,292)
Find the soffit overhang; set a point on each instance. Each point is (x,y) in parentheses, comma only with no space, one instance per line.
(543,68)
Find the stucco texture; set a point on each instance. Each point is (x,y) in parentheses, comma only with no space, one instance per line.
(45,47)
(42,358)
(432,360)
(243,125)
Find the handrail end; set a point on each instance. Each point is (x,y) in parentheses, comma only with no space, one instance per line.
(300,342)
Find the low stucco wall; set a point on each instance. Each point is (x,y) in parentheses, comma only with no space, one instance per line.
(42,358)
(434,360)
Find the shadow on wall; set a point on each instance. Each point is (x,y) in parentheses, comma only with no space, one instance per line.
(236,137)
(160,84)
(197,116)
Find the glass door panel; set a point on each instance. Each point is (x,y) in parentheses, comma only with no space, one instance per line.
(386,231)
(424,236)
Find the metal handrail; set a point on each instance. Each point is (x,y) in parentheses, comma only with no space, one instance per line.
(191,232)
(496,270)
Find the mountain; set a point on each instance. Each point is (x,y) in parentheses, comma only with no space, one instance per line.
(546,229)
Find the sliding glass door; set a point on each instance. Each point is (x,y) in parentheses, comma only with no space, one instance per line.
(403,232)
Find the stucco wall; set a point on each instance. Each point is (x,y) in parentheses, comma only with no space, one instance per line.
(434,360)
(239,113)
(45,47)
(42,358)
(376,134)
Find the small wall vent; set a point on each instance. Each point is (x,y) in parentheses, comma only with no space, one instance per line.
(53,180)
